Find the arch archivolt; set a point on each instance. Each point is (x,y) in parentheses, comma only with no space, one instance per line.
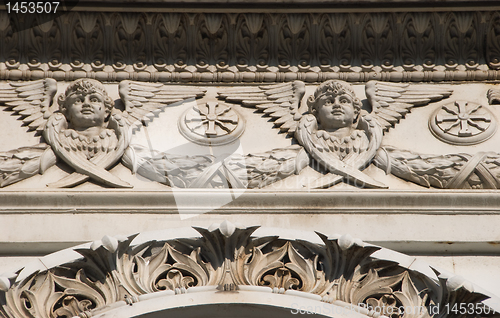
(231,264)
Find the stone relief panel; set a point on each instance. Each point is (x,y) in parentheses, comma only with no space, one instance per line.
(289,135)
(120,271)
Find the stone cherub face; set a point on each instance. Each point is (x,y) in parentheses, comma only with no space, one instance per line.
(85,104)
(335,106)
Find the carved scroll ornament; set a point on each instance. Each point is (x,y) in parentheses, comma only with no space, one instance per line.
(114,272)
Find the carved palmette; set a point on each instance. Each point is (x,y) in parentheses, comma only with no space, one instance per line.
(191,43)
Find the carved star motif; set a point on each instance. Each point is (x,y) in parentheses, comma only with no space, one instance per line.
(211,116)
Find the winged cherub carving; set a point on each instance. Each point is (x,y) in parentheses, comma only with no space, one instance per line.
(332,126)
(86,131)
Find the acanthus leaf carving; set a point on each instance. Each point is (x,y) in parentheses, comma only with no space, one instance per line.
(493,43)
(335,41)
(377,47)
(129,40)
(418,46)
(255,42)
(87,40)
(252,37)
(170,41)
(9,52)
(293,47)
(342,269)
(460,39)
(44,43)
(212,41)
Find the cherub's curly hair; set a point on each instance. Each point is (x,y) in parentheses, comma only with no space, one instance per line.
(85,86)
(333,87)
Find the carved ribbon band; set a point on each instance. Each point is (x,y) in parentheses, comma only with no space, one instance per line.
(474,164)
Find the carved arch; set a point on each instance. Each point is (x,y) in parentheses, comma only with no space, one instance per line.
(233,264)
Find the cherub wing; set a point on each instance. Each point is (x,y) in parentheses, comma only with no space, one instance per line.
(392,101)
(282,102)
(143,101)
(32,100)
(343,158)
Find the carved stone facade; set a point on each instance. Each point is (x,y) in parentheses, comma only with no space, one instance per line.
(378,119)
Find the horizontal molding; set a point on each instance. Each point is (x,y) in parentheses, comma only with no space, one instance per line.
(423,248)
(299,6)
(441,248)
(451,202)
(186,46)
(250,77)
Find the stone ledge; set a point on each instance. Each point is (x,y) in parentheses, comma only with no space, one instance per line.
(447,202)
(467,232)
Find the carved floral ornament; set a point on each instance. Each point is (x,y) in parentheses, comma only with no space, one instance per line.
(253,47)
(119,271)
(332,132)
(211,124)
(463,123)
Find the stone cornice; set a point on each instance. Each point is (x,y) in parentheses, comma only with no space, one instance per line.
(185,46)
(298,6)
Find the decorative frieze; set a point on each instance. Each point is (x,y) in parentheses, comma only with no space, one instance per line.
(253,47)
(330,130)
